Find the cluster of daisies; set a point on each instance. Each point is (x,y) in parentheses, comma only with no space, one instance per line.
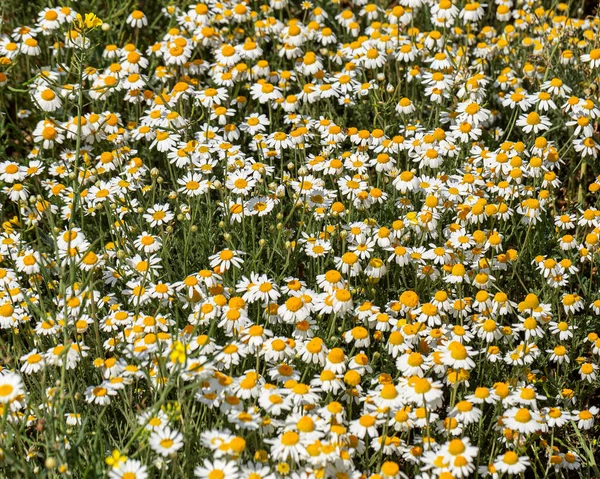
(291,240)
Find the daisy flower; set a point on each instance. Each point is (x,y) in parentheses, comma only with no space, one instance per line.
(511,463)
(166,441)
(11,387)
(129,469)
(137,19)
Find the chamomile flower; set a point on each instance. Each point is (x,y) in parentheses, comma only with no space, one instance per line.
(137,19)
(129,469)
(11,387)
(511,463)
(166,441)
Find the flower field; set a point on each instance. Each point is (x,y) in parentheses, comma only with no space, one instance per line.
(278,239)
